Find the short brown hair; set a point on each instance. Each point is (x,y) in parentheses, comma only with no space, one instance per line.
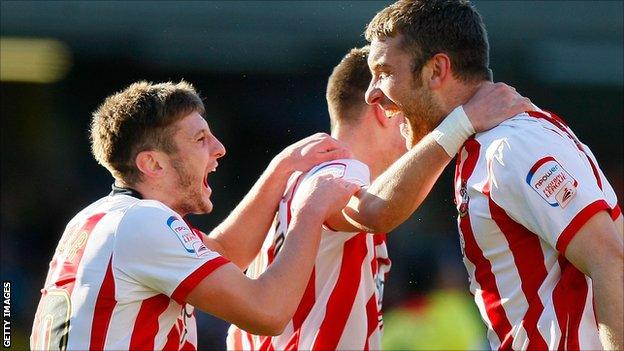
(453,27)
(347,85)
(137,119)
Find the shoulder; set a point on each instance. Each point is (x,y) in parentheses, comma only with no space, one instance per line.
(522,128)
(523,137)
(148,216)
(145,210)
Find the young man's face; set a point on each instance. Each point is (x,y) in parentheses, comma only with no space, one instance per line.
(196,156)
(396,88)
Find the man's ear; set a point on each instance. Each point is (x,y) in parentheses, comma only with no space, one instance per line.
(150,163)
(380,116)
(437,70)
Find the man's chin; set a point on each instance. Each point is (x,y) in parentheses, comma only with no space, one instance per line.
(207,207)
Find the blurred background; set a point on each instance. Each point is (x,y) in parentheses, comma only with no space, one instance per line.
(262,69)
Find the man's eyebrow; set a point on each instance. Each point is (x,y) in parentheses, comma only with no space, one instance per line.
(200,132)
(380,66)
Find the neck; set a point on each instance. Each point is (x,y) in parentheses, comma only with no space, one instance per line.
(363,145)
(153,192)
(458,93)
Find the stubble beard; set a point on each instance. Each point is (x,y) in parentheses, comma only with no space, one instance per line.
(189,196)
(422,112)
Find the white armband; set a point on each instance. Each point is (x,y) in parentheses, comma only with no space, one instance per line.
(453,131)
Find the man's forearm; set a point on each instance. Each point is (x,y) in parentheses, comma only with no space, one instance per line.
(609,306)
(398,192)
(282,286)
(242,233)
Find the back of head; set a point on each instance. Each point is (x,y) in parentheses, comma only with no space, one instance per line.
(429,27)
(346,87)
(139,118)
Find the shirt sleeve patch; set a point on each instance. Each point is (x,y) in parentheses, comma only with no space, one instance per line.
(191,242)
(552,182)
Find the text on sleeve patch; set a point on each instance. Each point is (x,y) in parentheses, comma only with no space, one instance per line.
(552,182)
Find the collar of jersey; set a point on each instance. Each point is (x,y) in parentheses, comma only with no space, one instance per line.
(117,190)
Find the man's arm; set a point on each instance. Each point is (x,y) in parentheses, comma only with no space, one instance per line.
(398,192)
(240,236)
(597,251)
(265,305)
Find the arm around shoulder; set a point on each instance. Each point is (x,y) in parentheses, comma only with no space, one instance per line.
(398,192)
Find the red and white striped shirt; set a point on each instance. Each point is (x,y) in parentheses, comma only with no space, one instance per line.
(119,278)
(523,190)
(341,307)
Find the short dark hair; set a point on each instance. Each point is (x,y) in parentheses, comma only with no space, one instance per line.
(453,27)
(137,119)
(347,85)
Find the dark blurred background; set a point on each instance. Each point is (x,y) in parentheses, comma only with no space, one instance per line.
(262,69)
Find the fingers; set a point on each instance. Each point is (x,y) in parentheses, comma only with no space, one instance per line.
(494,103)
(315,149)
(334,154)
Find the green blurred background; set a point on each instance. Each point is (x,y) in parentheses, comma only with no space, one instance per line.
(262,69)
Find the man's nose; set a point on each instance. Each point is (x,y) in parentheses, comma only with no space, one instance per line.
(373,94)
(218,148)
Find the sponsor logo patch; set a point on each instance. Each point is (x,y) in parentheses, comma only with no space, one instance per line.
(552,182)
(188,239)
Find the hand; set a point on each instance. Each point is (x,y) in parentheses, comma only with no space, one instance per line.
(494,103)
(310,151)
(325,196)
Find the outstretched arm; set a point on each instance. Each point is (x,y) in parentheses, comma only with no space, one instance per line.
(239,237)
(398,192)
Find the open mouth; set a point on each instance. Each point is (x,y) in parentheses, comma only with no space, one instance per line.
(391,113)
(214,168)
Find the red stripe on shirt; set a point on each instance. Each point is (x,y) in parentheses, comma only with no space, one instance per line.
(379,238)
(173,338)
(190,282)
(616,212)
(372,316)
(303,310)
(483,268)
(188,347)
(250,339)
(103,311)
(146,325)
(569,297)
(265,343)
(306,303)
(342,297)
(578,221)
(293,342)
(74,248)
(529,260)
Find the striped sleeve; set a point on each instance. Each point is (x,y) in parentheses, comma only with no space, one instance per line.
(541,180)
(157,249)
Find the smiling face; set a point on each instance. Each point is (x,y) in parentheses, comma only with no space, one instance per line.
(196,157)
(396,88)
